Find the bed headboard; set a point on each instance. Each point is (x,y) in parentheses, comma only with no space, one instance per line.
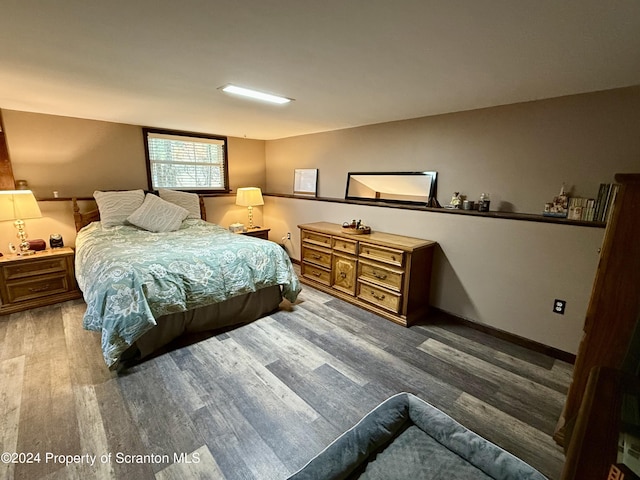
(84,219)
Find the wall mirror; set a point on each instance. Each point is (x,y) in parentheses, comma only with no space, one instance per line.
(400,187)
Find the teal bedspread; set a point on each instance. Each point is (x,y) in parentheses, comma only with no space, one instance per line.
(129,277)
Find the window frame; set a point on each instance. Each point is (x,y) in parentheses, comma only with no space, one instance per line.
(145,134)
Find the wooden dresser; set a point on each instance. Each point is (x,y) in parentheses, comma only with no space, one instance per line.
(36,280)
(387,274)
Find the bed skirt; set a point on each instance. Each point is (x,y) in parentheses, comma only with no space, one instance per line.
(234,311)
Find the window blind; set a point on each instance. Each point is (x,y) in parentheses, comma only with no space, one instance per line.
(186,162)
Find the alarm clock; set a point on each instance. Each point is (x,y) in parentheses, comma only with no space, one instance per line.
(55,240)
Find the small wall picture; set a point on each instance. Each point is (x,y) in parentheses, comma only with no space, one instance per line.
(305,181)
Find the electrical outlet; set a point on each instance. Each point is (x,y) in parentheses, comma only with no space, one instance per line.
(288,235)
(559,306)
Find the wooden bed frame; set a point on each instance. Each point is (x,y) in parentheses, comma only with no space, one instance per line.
(84,219)
(232,312)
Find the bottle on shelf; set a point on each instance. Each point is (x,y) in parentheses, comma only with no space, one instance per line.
(484,202)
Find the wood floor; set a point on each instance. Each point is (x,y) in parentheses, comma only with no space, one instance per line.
(259,401)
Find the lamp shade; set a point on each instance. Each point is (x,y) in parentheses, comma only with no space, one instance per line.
(18,205)
(249,197)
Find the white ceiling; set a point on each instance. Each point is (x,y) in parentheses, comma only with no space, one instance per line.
(346,63)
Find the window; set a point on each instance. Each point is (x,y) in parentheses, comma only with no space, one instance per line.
(186,161)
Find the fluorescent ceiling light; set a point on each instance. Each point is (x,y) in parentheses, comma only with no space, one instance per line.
(247,92)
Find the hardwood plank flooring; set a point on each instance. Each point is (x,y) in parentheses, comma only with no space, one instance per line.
(258,401)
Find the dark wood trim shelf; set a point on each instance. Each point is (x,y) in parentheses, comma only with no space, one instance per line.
(528,217)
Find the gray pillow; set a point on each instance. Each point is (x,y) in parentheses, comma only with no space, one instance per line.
(115,207)
(157,215)
(190,201)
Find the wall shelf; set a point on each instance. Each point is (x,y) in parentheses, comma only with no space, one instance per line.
(527,217)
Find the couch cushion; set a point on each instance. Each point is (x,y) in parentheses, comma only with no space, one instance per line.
(414,454)
(371,443)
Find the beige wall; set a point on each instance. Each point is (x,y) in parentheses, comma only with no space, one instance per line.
(502,273)
(520,154)
(72,155)
(75,157)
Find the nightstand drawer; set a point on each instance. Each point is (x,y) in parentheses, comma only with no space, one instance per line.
(32,281)
(42,286)
(262,233)
(33,267)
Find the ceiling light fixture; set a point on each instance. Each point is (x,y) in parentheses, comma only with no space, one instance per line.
(247,92)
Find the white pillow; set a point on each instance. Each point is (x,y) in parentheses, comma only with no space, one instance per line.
(190,201)
(157,215)
(115,207)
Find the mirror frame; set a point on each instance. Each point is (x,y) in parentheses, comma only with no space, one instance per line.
(432,187)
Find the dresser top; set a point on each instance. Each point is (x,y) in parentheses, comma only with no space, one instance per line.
(380,238)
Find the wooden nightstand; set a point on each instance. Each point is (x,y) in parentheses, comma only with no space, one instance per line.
(36,280)
(258,232)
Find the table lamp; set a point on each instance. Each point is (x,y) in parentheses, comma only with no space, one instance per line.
(17,205)
(249,197)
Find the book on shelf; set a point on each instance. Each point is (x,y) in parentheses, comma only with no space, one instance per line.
(606,196)
(593,209)
(581,209)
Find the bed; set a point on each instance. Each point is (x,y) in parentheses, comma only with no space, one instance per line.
(151,269)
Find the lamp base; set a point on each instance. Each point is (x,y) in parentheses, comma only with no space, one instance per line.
(24,247)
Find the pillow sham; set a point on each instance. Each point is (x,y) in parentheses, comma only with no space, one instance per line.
(158,215)
(190,201)
(115,207)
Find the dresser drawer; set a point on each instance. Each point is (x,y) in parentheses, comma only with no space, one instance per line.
(379,296)
(382,254)
(316,273)
(380,274)
(344,273)
(41,286)
(345,245)
(317,256)
(33,267)
(316,238)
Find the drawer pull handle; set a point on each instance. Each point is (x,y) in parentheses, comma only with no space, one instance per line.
(343,275)
(43,288)
(377,297)
(316,273)
(380,276)
(317,257)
